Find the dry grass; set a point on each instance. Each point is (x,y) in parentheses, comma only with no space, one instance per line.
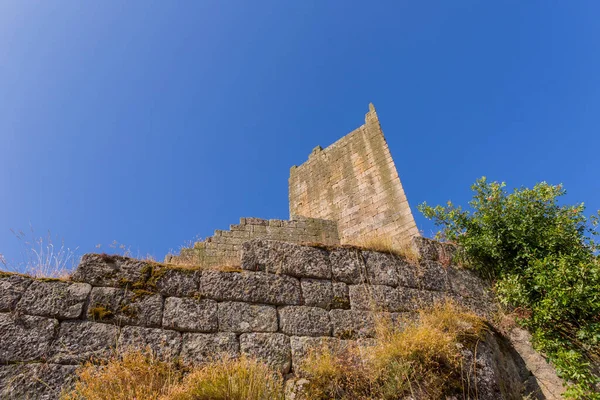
(135,375)
(421,360)
(387,245)
(227,379)
(140,375)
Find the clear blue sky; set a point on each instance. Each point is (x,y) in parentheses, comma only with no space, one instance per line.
(152,122)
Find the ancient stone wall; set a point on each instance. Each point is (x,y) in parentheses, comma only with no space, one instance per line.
(355,183)
(224,248)
(284,299)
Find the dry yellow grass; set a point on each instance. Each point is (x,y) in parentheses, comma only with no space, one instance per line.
(140,375)
(227,379)
(420,360)
(387,245)
(136,375)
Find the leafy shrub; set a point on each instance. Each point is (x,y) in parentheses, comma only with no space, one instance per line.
(543,259)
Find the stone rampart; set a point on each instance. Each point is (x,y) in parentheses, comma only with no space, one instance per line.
(283,299)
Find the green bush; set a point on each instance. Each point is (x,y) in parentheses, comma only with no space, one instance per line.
(543,259)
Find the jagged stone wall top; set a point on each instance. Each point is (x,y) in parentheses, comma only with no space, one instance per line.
(354,182)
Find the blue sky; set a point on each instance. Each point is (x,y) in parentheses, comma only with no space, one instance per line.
(152,122)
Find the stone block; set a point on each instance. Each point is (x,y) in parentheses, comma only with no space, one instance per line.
(125,307)
(466,283)
(79,341)
(375,298)
(110,270)
(190,314)
(243,317)
(432,275)
(352,324)
(199,348)
(272,348)
(38,381)
(347,265)
(286,258)
(177,282)
(166,344)
(54,299)
(381,268)
(325,294)
(12,288)
(253,287)
(304,321)
(25,338)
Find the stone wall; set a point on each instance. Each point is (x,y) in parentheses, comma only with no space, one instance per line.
(224,248)
(355,183)
(284,299)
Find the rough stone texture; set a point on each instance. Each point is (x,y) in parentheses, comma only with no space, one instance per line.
(253,287)
(355,183)
(428,249)
(110,270)
(54,299)
(348,265)
(38,381)
(351,324)
(273,348)
(432,276)
(286,258)
(325,294)
(200,348)
(242,317)
(178,282)
(12,287)
(125,307)
(189,314)
(304,321)
(381,268)
(79,341)
(25,338)
(165,343)
(387,298)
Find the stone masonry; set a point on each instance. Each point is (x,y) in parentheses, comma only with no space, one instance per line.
(348,193)
(284,299)
(354,182)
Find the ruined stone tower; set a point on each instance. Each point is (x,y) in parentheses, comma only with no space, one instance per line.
(354,182)
(348,193)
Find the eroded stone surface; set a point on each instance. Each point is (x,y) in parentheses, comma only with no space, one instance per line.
(162,342)
(122,306)
(286,258)
(301,346)
(304,321)
(325,294)
(272,348)
(381,268)
(12,288)
(190,314)
(178,282)
(200,348)
(39,381)
(348,265)
(79,341)
(54,299)
(242,317)
(110,270)
(25,338)
(253,287)
(352,324)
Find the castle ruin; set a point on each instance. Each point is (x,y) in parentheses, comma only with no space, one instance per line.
(347,193)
